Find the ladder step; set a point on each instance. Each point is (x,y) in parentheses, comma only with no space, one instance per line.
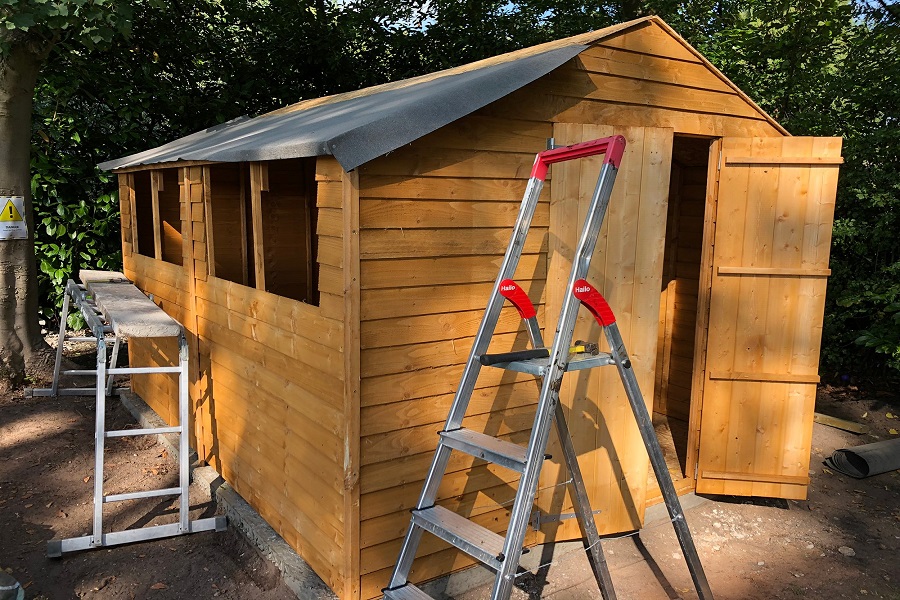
(407,592)
(539,366)
(479,445)
(471,538)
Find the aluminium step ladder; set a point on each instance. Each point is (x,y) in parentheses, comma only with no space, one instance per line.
(114,309)
(499,553)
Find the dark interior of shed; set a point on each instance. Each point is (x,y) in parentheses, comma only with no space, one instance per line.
(678,301)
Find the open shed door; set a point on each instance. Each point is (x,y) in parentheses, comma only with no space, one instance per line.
(768,275)
(627,269)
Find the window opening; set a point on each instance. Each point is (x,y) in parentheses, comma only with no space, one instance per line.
(169,201)
(143,214)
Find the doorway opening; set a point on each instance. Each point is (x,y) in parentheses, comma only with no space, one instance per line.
(678,305)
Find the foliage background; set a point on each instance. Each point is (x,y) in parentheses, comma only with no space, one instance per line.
(820,67)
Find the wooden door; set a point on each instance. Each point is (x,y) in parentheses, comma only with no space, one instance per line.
(768,274)
(627,269)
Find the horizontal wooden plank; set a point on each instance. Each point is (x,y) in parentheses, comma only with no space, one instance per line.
(451,162)
(614,61)
(271,395)
(322,386)
(784,160)
(427,328)
(650,38)
(438,214)
(840,423)
(392,303)
(290,315)
(770,377)
(412,357)
(423,438)
(411,272)
(597,86)
(789,479)
(331,280)
(330,251)
(328,168)
(567,109)
(429,382)
(163,272)
(329,195)
(416,243)
(401,498)
(330,222)
(302,349)
(494,134)
(444,188)
(434,409)
(423,568)
(393,526)
(384,555)
(773,271)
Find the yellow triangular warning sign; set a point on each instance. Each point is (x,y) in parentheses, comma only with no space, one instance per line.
(10,213)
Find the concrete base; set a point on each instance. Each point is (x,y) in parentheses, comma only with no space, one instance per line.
(297,575)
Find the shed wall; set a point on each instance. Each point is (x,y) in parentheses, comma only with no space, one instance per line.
(435,218)
(267,374)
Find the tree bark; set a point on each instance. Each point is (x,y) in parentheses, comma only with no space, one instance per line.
(22,347)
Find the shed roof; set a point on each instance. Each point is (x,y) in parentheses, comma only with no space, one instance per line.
(356,127)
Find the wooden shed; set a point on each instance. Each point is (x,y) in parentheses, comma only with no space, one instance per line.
(332,259)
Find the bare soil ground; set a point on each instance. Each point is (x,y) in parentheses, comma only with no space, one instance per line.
(46,486)
(843,542)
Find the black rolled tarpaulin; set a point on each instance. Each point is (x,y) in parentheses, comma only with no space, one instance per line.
(865,461)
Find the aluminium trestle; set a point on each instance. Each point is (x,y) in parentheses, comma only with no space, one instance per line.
(115,310)
(502,553)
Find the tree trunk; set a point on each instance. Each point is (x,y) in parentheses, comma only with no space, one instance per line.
(22,347)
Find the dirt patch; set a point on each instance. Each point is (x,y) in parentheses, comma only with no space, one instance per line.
(46,487)
(842,542)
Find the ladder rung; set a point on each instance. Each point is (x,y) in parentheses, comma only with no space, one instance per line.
(138,495)
(506,454)
(407,592)
(137,370)
(471,538)
(149,431)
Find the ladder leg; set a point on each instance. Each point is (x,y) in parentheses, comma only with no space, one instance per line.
(113,362)
(99,438)
(583,509)
(414,533)
(54,387)
(657,460)
(518,520)
(183,418)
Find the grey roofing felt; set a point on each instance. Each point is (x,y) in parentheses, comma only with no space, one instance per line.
(357,129)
